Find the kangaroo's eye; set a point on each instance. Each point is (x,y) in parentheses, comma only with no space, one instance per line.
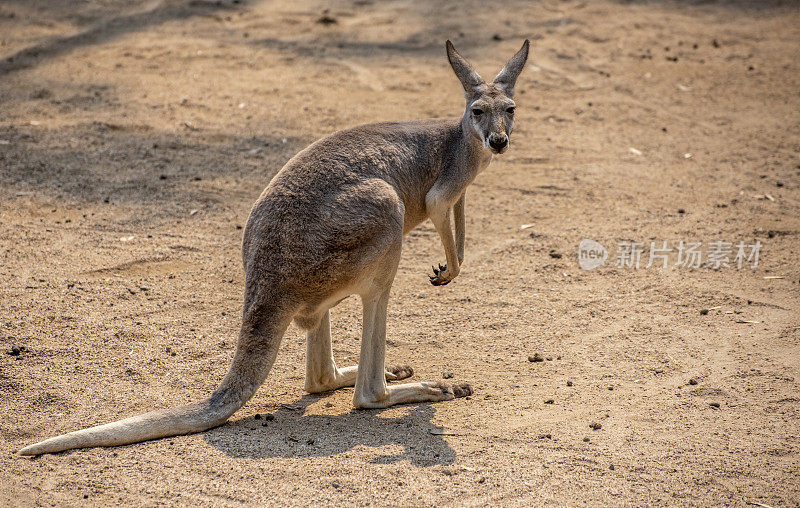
(477,112)
(510,110)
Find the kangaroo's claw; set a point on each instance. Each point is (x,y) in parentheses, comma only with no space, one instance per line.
(438,279)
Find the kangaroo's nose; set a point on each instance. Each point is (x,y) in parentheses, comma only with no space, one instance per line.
(498,142)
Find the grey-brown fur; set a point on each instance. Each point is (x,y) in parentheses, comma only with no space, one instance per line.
(331,224)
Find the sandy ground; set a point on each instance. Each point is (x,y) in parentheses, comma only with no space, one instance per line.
(134,137)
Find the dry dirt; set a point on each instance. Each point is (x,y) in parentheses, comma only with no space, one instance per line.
(134,137)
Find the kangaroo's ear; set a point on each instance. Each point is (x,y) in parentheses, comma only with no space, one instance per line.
(469,78)
(508,76)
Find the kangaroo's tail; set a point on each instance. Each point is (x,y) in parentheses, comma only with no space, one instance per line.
(254,357)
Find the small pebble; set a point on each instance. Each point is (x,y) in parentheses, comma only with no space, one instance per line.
(549,401)
(555,255)
(595,426)
(257,416)
(14,351)
(586,440)
(482,479)
(703,312)
(335,484)
(611,388)
(611,467)
(447,375)
(693,381)
(569,383)
(536,358)
(715,405)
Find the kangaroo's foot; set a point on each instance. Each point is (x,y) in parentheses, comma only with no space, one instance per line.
(409,393)
(346,376)
(399,372)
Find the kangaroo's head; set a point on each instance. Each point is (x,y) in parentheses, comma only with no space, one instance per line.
(490,106)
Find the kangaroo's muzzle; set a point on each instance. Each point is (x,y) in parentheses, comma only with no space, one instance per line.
(498,142)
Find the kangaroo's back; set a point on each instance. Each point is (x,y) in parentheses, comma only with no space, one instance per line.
(407,155)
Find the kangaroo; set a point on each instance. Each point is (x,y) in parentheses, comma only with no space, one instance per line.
(331,224)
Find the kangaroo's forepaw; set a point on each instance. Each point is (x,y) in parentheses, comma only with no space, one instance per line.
(399,372)
(441,276)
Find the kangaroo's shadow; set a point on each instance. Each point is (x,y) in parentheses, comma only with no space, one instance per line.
(293,434)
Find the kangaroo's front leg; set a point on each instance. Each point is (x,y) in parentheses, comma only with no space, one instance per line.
(460,221)
(439,205)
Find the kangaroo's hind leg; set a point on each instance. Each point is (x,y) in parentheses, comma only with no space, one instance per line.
(371,388)
(321,372)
